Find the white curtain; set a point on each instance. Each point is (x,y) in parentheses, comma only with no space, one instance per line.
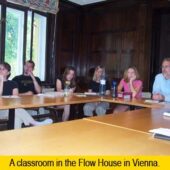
(50,6)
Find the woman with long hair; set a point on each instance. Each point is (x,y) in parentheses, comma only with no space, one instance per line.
(130,83)
(94,86)
(68,79)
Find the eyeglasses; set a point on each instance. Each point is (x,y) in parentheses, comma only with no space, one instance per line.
(164,67)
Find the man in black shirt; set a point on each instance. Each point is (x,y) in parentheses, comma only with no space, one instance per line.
(28,84)
(8,87)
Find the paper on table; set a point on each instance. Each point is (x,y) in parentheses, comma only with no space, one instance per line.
(161,131)
(151,101)
(12,96)
(166,113)
(52,94)
(91,93)
(80,95)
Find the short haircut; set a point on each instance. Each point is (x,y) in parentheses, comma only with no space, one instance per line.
(166,59)
(32,62)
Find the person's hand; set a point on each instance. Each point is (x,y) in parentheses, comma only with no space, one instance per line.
(158,97)
(133,78)
(1,78)
(30,73)
(71,90)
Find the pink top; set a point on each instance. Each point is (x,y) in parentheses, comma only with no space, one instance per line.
(136,84)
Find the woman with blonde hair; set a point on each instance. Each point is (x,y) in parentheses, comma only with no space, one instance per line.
(130,83)
(94,85)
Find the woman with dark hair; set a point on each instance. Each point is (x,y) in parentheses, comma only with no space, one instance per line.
(69,76)
(9,87)
(130,83)
(68,79)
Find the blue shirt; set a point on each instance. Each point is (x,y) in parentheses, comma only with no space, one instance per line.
(162,86)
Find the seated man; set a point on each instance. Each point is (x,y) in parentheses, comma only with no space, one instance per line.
(161,86)
(28,84)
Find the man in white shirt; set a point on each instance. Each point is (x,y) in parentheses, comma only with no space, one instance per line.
(161,86)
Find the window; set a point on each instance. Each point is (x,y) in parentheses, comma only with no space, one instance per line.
(38,43)
(25,39)
(29,27)
(14,40)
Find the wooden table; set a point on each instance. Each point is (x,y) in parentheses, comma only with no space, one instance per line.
(80,137)
(30,101)
(139,120)
(134,102)
(33,101)
(120,134)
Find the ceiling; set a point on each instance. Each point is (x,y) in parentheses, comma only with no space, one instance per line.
(85,2)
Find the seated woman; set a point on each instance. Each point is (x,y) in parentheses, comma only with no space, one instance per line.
(99,107)
(68,79)
(130,83)
(9,87)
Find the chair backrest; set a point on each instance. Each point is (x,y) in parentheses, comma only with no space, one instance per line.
(146,95)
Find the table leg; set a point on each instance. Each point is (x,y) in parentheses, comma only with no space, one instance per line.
(11,119)
(132,107)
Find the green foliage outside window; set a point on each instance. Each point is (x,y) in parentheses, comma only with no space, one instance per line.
(11,45)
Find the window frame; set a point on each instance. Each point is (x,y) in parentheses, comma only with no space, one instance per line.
(31,55)
(4,6)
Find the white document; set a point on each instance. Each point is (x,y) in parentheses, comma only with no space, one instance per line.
(11,96)
(151,101)
(91,93)
(52,94)
(166,113)
(80,95)
(161,131)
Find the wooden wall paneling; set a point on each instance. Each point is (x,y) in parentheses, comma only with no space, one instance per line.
(160,3)
(143,57)
(165,36)
(51,50)
(66,40)
(127,57)
(68,36)
(116,34)
(115,42)
(84,44)
(160,39)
